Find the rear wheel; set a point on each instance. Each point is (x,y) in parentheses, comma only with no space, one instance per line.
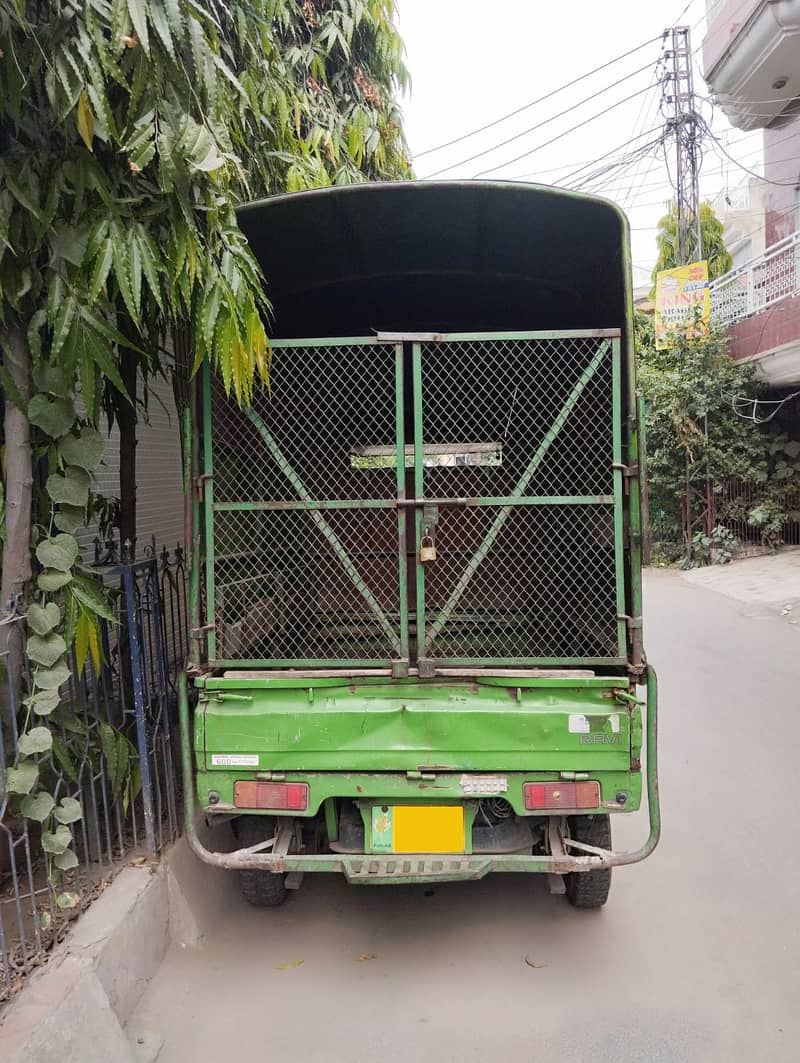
(264,889)
(589,889)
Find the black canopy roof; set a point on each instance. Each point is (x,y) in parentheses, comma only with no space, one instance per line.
(440,256)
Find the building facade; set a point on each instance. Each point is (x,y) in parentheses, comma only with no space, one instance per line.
(751,63)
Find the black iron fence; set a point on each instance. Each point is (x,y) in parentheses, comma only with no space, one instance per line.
(760,515)
(114,751)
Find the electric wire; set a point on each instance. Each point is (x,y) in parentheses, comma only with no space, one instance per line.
(538,125)
(533,103)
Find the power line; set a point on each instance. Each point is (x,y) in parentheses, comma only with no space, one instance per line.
(533,103)
(717,146)
(546,121)
(547,143)
(584,165)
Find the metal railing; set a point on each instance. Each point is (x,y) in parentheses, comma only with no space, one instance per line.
(758,283)
(112,751)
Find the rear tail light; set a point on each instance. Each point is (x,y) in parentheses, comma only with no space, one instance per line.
(279,795)
(562,794)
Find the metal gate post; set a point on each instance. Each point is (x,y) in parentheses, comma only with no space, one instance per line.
(137,675)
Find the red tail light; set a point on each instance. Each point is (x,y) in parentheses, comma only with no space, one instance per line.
(562,794)
(277,795)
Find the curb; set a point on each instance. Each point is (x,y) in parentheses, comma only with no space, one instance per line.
(74,1010)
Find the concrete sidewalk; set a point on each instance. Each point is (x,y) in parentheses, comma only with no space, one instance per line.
(770,583)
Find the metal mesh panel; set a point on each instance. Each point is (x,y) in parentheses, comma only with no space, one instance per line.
(510,392)
(312,583)
(284,593)
(324,403)
(546,589)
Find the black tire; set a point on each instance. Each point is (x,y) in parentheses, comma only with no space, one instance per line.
(589,889)
(263,889)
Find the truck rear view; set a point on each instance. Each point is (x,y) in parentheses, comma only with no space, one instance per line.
(416,557)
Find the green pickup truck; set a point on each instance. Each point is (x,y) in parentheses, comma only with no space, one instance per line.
(416,558)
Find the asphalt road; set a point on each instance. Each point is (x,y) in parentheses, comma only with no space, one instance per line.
(696,957)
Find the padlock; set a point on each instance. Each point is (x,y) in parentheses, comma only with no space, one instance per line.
(427,551)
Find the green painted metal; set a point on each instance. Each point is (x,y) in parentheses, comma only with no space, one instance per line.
(434,629)
(338,548)
(405,725)
(402,522)
(390,869)
(325,787)
(208,506)
(402,502)
(331,820)
(269,681)
(619,559)
(419,488)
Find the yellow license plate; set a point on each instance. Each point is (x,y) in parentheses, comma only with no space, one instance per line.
(419,829)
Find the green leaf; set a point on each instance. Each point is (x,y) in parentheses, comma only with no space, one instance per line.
(69,811)
(60,552)
(71,618)
(72,488)
(45,702)
(66,861)
(47,649)
(43,618)
(68,900)
(69,242)
(11,390)
(38,807)
(70,518)
(100,269)
(51,580)
(138,10)
(85,121)
(116,752)
(22,779)
(50,378)
(51,678)
(64,759)
(57,841)
(90,595)
(53,415)
(37,740)
(82,640)
(160,19)
(120,255)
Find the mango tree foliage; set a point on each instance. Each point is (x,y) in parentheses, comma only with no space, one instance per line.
(130,128)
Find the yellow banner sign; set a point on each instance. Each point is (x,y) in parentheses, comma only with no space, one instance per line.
(683,303)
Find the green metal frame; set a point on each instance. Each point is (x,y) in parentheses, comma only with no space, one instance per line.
(628,585)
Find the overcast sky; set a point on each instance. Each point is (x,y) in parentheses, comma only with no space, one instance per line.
(471,63)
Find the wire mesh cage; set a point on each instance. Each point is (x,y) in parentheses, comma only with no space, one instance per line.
(501,455)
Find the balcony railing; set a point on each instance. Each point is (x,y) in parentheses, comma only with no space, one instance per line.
(758,283)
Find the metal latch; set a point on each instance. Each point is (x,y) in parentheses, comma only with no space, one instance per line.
(631,471)
(427,775)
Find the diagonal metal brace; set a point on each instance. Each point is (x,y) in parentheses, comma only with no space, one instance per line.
(338,548)
(497,524)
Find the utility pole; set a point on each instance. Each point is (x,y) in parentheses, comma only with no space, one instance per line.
(678,106)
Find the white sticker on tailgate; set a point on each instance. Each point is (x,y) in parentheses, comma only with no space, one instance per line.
(579,724)
(234,760)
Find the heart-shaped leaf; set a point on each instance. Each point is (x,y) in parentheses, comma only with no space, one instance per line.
(60,552)
(51,678)
(66,861)
(58,840)
(52,580)
(68,900)
(69,811)
(44,702)
(54,416)
(22,778)
(37,740)
(50,378)
(46,650)
(70,519)
(71,489)
(84,450)
(38,807)
(43,618)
